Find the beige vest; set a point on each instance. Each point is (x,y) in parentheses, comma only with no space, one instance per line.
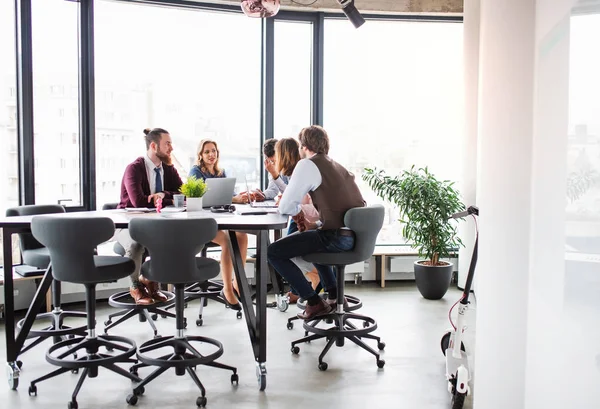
(337,193)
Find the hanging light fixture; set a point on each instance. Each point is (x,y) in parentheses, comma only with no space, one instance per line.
(260,8)
(351,12)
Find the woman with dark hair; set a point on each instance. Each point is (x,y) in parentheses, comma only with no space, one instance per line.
(287,156)
(207,166)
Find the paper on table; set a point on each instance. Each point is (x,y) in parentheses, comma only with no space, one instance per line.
(172,209)
(139,209)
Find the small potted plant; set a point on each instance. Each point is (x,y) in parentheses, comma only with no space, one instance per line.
(425,205)
(193,189)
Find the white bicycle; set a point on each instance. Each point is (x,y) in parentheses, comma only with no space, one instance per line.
(457,363)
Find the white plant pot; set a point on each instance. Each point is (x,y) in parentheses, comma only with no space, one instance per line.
(194,204)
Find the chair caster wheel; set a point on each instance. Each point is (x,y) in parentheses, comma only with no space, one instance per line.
(235,379)
(109,349)
(380,363)
(107,323)
(131,399)
(133,371)
(75,371)
(142,318)
(290,325)
(323,366)
(381,346)
(20,364)
(296,350)
(185,323)
(185,305)
(238,315)
(32,390)
(154,317)
(199,322)
(139,391)
(201,402)
(163,316)
(365,324)
(72,405)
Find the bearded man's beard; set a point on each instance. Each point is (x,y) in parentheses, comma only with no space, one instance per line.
(165,158)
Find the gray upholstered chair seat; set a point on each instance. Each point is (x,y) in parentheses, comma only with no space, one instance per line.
(112,268)
(39,258)
(207,269)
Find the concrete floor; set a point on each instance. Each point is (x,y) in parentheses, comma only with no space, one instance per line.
(413,376)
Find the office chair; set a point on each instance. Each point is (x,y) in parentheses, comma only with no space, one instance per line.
(34,254)
(72,245)
(174,261)
(126,304)
(366,223)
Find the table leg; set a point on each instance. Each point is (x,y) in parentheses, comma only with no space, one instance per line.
(12,369)
(256,321)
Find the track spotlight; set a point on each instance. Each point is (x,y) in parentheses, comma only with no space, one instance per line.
(351,12)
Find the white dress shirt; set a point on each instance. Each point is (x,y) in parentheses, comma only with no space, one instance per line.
(150,166)
(306,178)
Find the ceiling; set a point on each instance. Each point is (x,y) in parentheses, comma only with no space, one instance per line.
(454,7)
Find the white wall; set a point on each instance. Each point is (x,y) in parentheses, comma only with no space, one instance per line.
(538,342)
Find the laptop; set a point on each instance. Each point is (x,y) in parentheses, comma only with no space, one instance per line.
(266,204)
(219,192)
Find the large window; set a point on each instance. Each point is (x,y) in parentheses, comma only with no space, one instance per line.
(392,98)
(193,73)
(9,168)
(55,102)
(292,82)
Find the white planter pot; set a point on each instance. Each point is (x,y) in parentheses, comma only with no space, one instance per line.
(194,204)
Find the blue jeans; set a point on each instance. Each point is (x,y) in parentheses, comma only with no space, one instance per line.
(282,251)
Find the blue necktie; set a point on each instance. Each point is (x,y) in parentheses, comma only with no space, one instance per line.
(159,187)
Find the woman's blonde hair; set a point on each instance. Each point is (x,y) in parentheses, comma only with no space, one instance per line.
(287,154)
(200,161)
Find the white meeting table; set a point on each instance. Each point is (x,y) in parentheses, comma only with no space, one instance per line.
(255,320)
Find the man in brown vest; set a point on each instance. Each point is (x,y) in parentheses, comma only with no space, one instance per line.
(333,192)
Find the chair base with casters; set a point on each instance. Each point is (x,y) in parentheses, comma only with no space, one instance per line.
(56,328)
(92,357)
(343,328)
(36,255)
(130,309)
(182,355)
(208,290)
(353,304)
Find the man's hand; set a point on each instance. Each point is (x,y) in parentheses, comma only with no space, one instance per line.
(154,197)
(270,167)
(242,197)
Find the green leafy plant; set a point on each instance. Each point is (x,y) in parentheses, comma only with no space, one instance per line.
(193,187)
(425,205)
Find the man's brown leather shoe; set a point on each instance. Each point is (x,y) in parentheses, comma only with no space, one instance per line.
(313,311)
(140,295)
(333,303)
(153,290)
(292,298)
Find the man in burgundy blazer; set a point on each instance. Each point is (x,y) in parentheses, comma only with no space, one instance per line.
(135,186)
(147,179)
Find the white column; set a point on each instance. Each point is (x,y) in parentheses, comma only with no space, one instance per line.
(503,193)
(469,172)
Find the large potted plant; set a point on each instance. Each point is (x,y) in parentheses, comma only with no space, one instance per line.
(425,205)
(193,189)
